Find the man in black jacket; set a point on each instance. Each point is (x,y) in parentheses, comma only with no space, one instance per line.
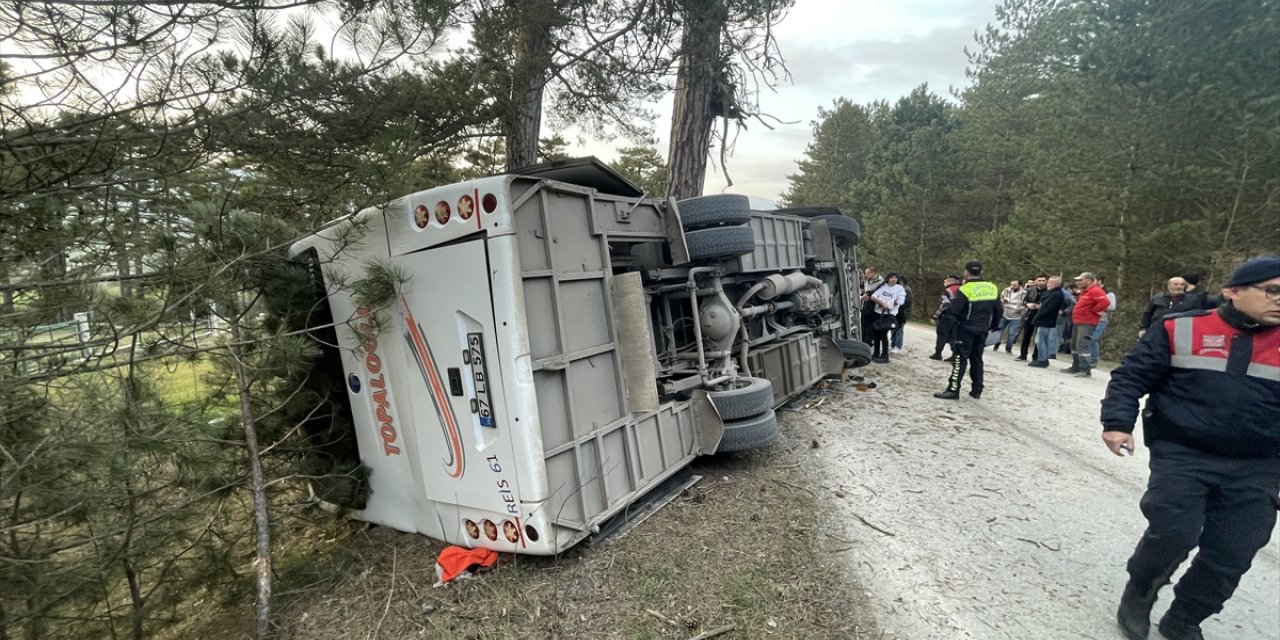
(1212,422)
(1048,307)
(976,312)
(1033,304)
(1174,300)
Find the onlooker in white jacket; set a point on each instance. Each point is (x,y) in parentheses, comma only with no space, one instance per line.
(1013,299)
(886,301)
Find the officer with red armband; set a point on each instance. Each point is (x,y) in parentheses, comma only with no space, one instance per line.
(1212,422)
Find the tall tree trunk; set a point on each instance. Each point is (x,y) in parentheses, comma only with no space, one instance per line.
(124,269)
(524,117)
(696,86)
(261,522)
(1126,239)
(921,251)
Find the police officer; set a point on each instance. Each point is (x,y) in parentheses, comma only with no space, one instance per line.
(976,311)
(1212,422)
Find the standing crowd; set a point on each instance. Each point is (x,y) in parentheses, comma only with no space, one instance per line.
(1042,316)
(1209,368)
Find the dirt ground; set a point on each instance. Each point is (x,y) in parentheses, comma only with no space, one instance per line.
(880,514)
(1003,517)
(747,552)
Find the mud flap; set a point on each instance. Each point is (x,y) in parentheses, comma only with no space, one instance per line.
(830,357)
(708,426)
(824,248)
(675,234)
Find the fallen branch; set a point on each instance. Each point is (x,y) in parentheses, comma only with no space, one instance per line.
(864,521)
(714,632)
(1039,544)
(795,486)
(661,617)
(838,538)
(817,404)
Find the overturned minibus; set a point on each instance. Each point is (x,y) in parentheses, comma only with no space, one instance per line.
(558,344)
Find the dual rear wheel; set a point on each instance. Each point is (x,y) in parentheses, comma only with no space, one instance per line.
(715,227)
(747,410)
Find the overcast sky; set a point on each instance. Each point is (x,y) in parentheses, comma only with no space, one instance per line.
(863,50)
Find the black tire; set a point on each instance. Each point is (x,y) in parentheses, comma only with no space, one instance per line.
(844,229)
(856,352)
(714,211)
(809,212)
(753,432)
(749,397)
(719,242)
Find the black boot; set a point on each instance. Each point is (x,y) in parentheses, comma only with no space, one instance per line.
(937,355)
(1176,625)
(947,395)
(1134,614)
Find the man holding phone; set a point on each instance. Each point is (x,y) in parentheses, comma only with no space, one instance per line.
(1212,422)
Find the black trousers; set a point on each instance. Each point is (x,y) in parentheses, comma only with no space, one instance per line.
(946,332)
(968,348)
(1028,333)
(868,318)
(941,342)
(879,343)
(1224,506)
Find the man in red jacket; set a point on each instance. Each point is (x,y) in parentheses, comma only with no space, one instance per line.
(1090,305)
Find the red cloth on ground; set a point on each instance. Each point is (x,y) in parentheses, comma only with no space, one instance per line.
(454,560)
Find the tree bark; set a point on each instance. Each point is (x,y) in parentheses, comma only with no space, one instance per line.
(261,522)
(693,113)
(524,117)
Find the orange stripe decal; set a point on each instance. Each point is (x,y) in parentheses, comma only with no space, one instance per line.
(456,462)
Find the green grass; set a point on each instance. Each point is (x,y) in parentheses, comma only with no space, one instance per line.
(181,382)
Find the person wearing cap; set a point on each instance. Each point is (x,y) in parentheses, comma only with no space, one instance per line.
(946,324)
(1085,316)
(1196,298)
(976,312)
(1212,424)
(1199,297)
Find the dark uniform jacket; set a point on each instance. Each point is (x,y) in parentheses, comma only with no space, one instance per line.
(1051,301)
(1213,380)
(976,307)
